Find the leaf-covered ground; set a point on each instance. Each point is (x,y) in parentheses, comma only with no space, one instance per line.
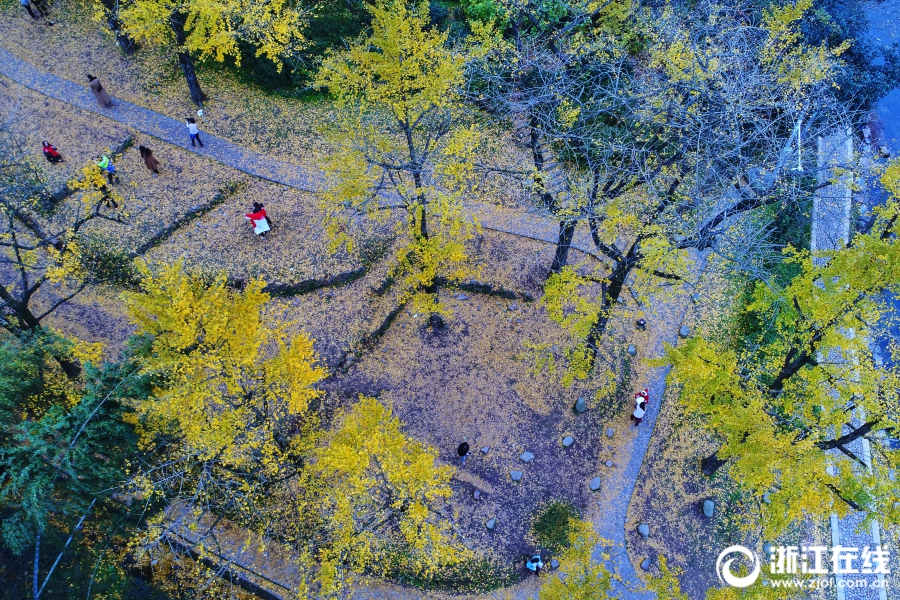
(77,45)
(472,382)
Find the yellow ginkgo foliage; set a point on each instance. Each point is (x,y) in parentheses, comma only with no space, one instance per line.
(796,64)
(384,498)
(792,402)
(214,29)
(230,383)
(404,151)
(580,577)
(93,191)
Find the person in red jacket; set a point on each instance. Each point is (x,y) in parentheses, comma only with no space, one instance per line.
(259,220)
(51,154)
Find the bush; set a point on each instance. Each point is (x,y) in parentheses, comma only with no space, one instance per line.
(485,11)
(553,524)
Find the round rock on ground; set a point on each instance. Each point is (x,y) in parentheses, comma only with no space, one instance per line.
(568,441)
(708,507)
(632,351)
(595,484)
(684,331)
(477,494)
(609,463)
(609,432)
(515,475)
(645,564)
(526,457)
(644,530)
(554,564)
(580,405)
(490,524)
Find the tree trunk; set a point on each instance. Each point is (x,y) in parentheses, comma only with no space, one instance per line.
(563,243)
(610,296)
(711,464)
(127,44)
(435,320)
(28,324)
(176,20)
(566,227)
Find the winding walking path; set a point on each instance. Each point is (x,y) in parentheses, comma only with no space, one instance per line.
(612,506)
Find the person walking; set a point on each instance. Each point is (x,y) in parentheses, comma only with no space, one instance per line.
(638,415)
(51,154)
(149,159)
(194,131)
(100,93)
(257,207)
(258,220)
(27,7)
(535,564)
(463,451)
(107,167)
(642,396)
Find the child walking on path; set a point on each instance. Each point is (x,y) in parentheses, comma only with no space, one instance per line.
(642,396)
(194,131)
(100,93)
(149,159)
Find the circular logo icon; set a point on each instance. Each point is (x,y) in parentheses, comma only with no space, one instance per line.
(723,569)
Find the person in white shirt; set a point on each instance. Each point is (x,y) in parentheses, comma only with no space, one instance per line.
(638,415)
(194,131)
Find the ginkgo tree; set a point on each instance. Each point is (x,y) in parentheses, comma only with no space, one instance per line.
(791,402)
(404,146)
(231,430)
(45,245)
(384,500)
(662,151)
(230,410)
(216,30)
